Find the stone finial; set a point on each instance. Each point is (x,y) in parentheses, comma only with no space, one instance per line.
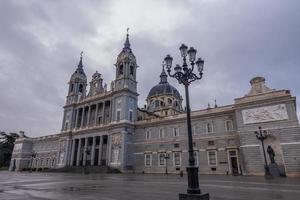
(21,134)
(80,65)
(258,86)
(127,43)
(216,103)
(208,106)
(163,75)
(105,87)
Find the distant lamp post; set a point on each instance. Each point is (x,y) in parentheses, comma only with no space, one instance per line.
(87,152)
(185,75)
(166,158)
(262,135)
(33,155)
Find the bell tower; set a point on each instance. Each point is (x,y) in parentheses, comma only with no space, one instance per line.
(126,68)
(125,86)
(77,84)
(77,91)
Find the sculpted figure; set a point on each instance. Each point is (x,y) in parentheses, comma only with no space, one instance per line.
(271,154)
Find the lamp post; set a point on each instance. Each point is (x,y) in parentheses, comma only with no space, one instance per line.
(166,158)
(185,75)
(87,152)
(33,155)
(262,135)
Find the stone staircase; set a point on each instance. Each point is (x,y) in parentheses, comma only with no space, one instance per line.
(85,170)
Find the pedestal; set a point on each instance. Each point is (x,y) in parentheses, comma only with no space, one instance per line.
(274,170)
(193,196)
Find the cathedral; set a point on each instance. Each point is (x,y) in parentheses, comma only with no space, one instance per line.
(103,128)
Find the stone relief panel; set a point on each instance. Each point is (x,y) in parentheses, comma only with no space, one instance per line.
(116,141)
(265,114)
(62,151)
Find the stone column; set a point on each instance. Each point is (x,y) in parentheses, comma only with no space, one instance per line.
(93,151)
(82,117)
(76,118)
(73,152)
(88,116)
(108,150)
(78,152)
(103,115)
(67,154)
(100,150)
(84,151)
(96,113)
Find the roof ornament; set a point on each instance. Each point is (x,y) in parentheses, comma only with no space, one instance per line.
(163,75)
(80,61)
(216,103)
(127,43)
(208,106)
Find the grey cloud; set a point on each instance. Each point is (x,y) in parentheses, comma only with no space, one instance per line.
(40,43)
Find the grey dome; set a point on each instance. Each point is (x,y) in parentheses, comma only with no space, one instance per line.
(164,88)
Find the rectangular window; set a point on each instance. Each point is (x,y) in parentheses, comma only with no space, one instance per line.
(66,126)
(148,135)
(177,159)
(99,120)
(194,128)
(148,159)
(130,115)
(176,145)
(118,115)
(228,125)
(209,128)
(212,158)
(175,132)
(161,159)
(232,153)
(161,133)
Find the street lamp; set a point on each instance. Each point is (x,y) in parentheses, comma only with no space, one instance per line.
(166,158)
(184,75)
(262,135)
(87,152)
(33,155)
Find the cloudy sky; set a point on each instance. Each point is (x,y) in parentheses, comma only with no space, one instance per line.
(40,43)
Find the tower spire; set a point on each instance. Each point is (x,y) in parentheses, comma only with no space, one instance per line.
(163,75)
(127,43)
(80,65)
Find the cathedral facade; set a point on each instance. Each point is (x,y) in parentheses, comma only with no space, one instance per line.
(105,128)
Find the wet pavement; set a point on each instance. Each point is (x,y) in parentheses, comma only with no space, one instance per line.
(59,186)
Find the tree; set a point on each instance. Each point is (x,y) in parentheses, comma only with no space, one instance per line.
(7,141)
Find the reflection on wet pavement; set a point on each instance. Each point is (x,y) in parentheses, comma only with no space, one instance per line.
(54,186)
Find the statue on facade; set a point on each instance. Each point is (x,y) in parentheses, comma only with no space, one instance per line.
(271,154)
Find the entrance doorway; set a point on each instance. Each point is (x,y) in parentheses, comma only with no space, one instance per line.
(234,168)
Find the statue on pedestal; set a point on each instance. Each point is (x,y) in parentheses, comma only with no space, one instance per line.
(271,154)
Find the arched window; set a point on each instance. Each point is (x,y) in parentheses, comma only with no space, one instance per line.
(162,103)
(121,69)
(81,88)
(72,87)
(131,70)
(157,103)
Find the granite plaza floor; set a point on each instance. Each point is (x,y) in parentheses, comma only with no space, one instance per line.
(59,186)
